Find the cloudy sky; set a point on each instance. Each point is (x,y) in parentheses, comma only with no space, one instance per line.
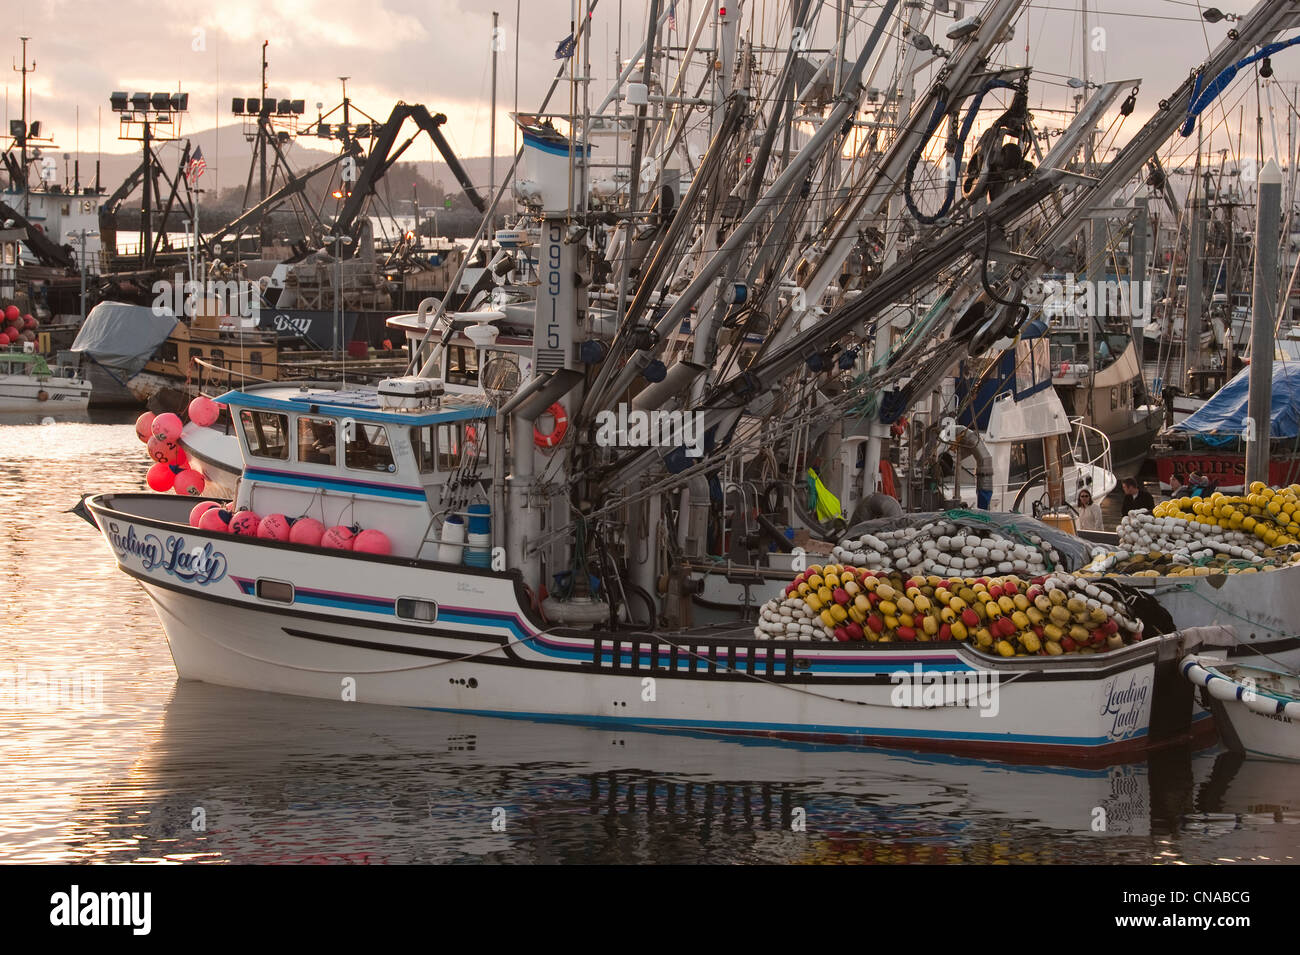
(437,52)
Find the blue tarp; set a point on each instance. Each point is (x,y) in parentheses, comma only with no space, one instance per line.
(1225,413)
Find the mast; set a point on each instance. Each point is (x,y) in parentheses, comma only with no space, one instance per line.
(24,70)
(1195,277)
(1264,305)
(492,116)
(1089,154)
(262,130)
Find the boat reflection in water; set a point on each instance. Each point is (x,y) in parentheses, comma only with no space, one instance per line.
(239,776)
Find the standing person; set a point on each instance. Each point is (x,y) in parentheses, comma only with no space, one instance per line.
(1136,498)
(1089,513)
(1175,484)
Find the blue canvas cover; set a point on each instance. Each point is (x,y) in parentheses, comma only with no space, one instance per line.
(1224,415)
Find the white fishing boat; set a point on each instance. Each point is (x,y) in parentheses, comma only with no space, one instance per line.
(1257,709)
(417,627)
(1015,433)
(27,383)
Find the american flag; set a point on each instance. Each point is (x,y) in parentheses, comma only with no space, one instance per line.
(197,164)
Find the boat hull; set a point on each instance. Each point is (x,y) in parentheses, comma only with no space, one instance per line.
(1253,717)
(1261,608)
(23,393)
(341,638)
(1130,446)
(1227,471)
(215,455)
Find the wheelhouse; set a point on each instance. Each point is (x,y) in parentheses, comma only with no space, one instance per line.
(358,458)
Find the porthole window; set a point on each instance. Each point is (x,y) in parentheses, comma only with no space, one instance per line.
(420,611)
(280,591)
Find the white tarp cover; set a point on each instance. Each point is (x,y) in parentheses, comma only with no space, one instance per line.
(123,337)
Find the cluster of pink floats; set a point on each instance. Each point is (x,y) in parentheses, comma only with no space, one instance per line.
(216,518)
(162,437)
(16,326)
(171,472)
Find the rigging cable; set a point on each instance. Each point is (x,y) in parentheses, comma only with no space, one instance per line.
(956,146)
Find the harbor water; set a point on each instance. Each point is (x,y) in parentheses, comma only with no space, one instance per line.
(130,765)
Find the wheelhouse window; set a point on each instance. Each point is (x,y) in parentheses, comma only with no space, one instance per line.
(460,439)
(255,363)
(461,365)
(1031,364)
(366,448)
(169,352)
(425,448)
(1026,461)
(317,440)
(266,433)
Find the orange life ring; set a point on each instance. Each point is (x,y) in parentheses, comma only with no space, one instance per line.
(557,433)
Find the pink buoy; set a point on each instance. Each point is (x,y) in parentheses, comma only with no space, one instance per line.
(372,542)
(274,527)
(203,411)
(190,483)
(245,523)
(199,509)
(215,521)
(30,324)
(144,426)
(162,451)
(160,477)
(11,313)
(307,531)
(167,427)
(337,538)
(181,459)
